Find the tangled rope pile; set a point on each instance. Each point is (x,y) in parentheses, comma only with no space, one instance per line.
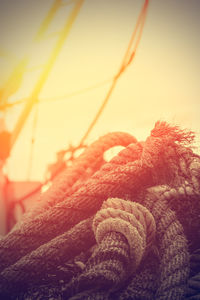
(124,229)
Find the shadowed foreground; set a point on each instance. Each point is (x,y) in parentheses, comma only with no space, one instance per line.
(124,229)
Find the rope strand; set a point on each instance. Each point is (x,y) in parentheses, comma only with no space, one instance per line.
(158,179)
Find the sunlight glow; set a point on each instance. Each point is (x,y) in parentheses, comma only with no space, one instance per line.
(162,83)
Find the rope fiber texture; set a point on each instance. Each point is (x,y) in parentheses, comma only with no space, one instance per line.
(124,229)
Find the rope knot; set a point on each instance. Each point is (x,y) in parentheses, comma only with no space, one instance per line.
(132,220)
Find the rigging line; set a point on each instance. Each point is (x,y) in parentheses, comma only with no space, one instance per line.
(125,63)
(142,17)
(78,92)
(43,76)
(7,105)
(140,20)
(34,127)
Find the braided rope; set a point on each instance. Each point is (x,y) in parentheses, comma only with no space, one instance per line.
(136,242)
(110,264)
(171,253)
(139,166)
(47,257)
(193,291)
(131,219)
(184,200)
(143,284)
(173,249)
(38,230)
(105,270)
(90,158)
(141,213)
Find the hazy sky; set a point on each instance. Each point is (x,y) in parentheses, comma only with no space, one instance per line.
(161,84)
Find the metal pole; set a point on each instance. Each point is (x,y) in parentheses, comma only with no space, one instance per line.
(42,79)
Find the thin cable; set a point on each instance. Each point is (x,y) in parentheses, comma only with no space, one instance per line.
(126,61)
(43,76)
(8,105)
(143,18)
(139,26)
(64,97)
(128,58)
(78,92)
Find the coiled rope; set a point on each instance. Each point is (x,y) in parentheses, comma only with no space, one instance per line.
(123,230)
(162,176)
(48,223)
(89,161)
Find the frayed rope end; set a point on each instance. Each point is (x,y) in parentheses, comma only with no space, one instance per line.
(172,133)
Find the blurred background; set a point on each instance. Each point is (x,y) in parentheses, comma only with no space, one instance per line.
(58,60)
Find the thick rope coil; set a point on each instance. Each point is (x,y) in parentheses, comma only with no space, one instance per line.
(128,176)
(172,248)
(193,291)
(44,224)
(58,214)
(169,256)
(185,201)
(161,160)
(106,269)
(143,285)
(133,220)
(124,176)
(136,241)
(195,262)
(89,159)
(48,256)
(141,213)
(121,242)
